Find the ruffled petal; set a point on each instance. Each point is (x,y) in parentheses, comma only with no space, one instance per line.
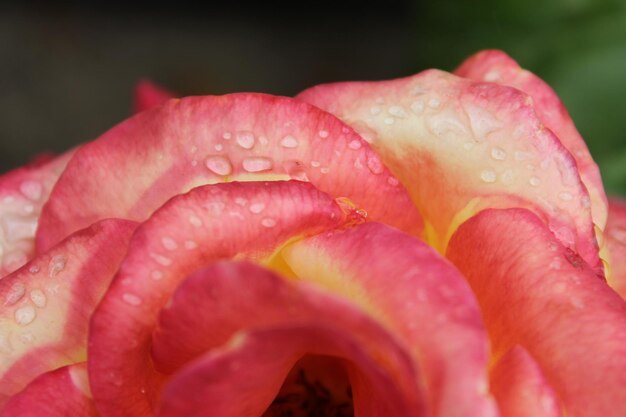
(255,326)
(209,223)
(135,167)
(461,146)
(46,305)
(496,66)
(536,293)
(418,295)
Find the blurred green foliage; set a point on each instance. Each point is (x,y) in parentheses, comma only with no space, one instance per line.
(577,46)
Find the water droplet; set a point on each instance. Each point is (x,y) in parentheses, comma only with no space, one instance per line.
(219,165)
(556,263)
(25,315)
(169,243)
(374,110)
(289,142)
(194,163)
(389,120)
(214,208)
(156,275)
(323,134)
(565,196)
(257,164)
(488,176)
(160,259)
(32,190)
(355,144)
(361,212)
(15,293)
(194,149)
(534,181)
(227,135)
(316,164)
(218,147)
(190,244)
(358,164)
(256,208)
(434,103)
(491,76)
(268,222)
(507,176)
(38,298)
(417,107)
(195,221)
(240,201)
(374,164)
(131,299)
(245,139)
(498,153)
(324,170)
(397,111)
(393,181)
(33,269)
(56,265)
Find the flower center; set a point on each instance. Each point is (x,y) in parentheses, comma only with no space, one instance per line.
(317,386)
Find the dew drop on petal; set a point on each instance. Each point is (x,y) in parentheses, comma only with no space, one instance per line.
(565,196)
(488,176)
(498,153)
(355,144)
(156,275)
(245,139)
(289,142)
(15,293)
(393,181)
(38,298)
(434,103)
(56,265)
(268,222)
(195,221)
(397,111)
(316,164)
(257,164)
(323,134)
(374,164)
(388,120)
(534,181)
(219,165)
(256,208)
(160,259)
(227,135)
(131,299)
(169,243)
(25,315)
(417,107)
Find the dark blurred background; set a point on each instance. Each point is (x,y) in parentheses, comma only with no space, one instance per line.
(67,68)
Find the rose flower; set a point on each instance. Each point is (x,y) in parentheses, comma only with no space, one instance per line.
(435,245)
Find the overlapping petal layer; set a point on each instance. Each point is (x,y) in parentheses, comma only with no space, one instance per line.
(148,95)
(255,326)
(415,293)
(47,304)
(616,244)
(135,167)
(461,146)
(209,223)
(23,192)
(536,293)
(496,66)
(60,393)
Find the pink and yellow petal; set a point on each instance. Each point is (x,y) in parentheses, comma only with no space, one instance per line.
(47,304)
(496,66)
(61,393)
(210,223)
(615,240)
(461,146)
(134,168)
(536,293)
(416,294)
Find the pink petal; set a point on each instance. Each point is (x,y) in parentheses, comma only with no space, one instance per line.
(615,238)
(46,305)
(135,167)
(521,388)
(61,393)
(148,94)
(242,372)
(209,223)
(538,294)
(496,66)
(461,146)
(23,193)
(418,295)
